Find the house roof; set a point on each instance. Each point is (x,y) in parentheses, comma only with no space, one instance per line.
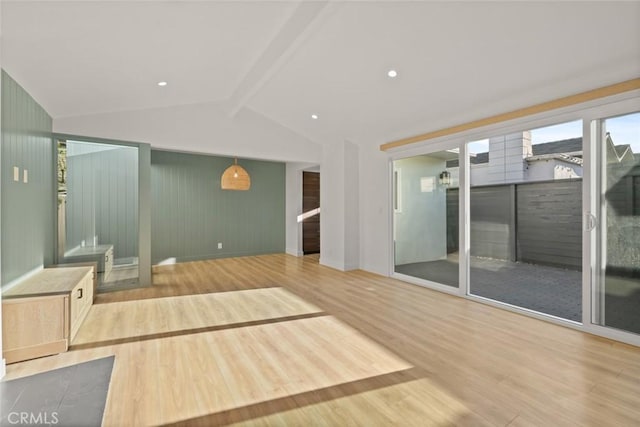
(567,158)
(563,146)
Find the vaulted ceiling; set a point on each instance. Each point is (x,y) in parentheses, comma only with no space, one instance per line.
(288,60)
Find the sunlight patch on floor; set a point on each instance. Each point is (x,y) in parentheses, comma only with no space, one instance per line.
(191,376)
(145,317)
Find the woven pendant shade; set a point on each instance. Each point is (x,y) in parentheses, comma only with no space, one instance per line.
(235,177)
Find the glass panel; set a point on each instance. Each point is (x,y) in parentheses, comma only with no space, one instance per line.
(426,217)
(98,209)
(618,302)
(525,219)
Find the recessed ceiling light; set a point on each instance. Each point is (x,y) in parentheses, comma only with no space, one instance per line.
(162,83)
(314,116)
(392,73)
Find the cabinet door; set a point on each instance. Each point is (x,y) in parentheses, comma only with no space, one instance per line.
(81,300)
(108,262)
(34,327)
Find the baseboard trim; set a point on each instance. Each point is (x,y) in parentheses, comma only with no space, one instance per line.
(3,368)
(294,252)
(35,351)
(331,263)
(206,257)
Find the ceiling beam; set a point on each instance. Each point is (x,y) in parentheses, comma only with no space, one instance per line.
(306,18)
(602,92)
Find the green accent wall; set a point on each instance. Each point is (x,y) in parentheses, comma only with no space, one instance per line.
(27,225)
(190,213)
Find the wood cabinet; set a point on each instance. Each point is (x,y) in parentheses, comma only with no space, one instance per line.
(41,315)
(102,254)
(93,264)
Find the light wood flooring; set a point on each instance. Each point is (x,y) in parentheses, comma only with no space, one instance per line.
(280,340)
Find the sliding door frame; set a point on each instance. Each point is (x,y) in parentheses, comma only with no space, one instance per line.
(591,113)
(592,235)
(463,201)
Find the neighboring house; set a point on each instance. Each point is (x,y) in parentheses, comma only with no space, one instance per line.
(512,159)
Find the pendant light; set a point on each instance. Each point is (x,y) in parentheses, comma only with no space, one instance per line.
(235,177)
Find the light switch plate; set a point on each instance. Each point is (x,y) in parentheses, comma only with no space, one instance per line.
(16,174)
(25,176)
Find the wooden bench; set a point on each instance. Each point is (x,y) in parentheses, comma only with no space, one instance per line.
(42,314)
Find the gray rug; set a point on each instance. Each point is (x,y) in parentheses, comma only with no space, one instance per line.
(71,396)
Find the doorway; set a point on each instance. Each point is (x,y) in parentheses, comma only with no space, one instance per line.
(311,212)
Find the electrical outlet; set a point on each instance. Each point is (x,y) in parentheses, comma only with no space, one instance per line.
(16,174)
(25,176)
(220,245)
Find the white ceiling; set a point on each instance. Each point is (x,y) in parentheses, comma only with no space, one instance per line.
(287,60)
(84,57)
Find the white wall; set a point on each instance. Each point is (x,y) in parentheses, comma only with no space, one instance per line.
(421,225)
(340,206)
(548,169)
(479,175)
(331,206)
(352,206)
(375,213)
(506,154)
(199,128)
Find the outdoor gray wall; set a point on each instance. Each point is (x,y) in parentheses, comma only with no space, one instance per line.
(421,226)
(549,221)
(491,222)
(27,209)
(190,212)
(102,197)
(538,223)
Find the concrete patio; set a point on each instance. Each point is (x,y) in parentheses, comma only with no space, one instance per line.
(549,290)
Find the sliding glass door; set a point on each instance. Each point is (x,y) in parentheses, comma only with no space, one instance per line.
(425,218)
(526,219)
(544,220)
(616,302)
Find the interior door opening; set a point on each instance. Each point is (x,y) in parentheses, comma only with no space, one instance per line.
(310,212)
